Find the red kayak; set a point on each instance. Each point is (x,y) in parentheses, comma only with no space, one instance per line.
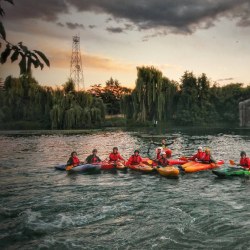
(150,162)
(107,165)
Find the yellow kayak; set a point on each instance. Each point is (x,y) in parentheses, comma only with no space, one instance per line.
(169,171)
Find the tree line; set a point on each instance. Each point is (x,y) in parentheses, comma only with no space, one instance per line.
(193,101)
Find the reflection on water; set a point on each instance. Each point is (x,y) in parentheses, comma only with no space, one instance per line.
(45,208)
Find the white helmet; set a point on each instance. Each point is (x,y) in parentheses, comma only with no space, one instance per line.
(200,148)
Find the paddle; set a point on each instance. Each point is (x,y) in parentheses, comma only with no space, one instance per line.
(69,167)
(232,162)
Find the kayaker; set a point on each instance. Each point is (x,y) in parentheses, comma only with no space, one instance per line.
(134,159)
(159,150)
(73,159)
(163,161)
(244,160)
(198,156)
(164,146)
(93,158)
(207,158)
(115,156)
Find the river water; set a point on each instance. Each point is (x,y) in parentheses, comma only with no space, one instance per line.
(42,208)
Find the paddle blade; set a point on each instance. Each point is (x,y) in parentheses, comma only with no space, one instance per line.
(150,162)
(232,162)
(69,167)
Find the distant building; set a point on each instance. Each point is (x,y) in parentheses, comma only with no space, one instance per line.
(244,108)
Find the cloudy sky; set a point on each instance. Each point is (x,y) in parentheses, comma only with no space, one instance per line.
(203,36)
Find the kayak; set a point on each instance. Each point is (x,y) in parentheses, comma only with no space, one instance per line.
(193,166)
(142,168)
(176,161)
(107,165)
(85,168)
(150,162)
(61,167)
(231,171)
(169,171)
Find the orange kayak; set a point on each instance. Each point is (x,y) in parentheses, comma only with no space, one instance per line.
(168,171)
(194,166)
(142,168)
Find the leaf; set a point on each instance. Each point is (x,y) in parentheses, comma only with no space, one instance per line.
(15,55)
(22,65)
(10,1)
(45,59)
(1,11)
(2,31)
(24,48)
(5,54)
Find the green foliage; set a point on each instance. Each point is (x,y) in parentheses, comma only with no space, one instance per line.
(28,58)
(23,99)
(111,95)
(193,102)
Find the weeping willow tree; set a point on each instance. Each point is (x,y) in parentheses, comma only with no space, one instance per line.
(24,100)
(152,97)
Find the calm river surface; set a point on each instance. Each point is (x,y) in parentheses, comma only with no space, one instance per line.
(41,208)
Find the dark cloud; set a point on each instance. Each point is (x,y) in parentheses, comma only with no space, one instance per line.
(115,29)
(60,24)
(178,16)
(74,25)
(92,26)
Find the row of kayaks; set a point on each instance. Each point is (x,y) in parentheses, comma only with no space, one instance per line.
(172,170)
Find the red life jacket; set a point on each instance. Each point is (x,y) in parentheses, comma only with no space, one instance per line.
(134,160)
(115,157)
(163,162)
(206,157)
(245,162)
(198,156)
(76,161)
(158,156)
(94,160)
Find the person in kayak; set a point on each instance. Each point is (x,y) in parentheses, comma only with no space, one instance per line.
(244,160)
(164,145)
(163,161)
(207,158)
(115,156)
(158,154)
(73,159)
(134,159)
(198,156)
(93,158)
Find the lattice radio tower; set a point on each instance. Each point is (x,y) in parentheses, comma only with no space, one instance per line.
(76,72)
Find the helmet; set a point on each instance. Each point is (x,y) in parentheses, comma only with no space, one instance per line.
(200,148)
(159,148)
(94,150)
(136,151)
(115,148)
(242,153)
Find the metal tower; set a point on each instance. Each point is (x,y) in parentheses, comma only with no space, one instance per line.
(76,73)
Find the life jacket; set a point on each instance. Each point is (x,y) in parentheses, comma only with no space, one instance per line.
(158,156)
(206,157)
(75,160)
(94,159)
(198,156)
(163,162)
(134,160)
(245,162)
(115,157)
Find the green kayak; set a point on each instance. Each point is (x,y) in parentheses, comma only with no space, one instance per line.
(231,171)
